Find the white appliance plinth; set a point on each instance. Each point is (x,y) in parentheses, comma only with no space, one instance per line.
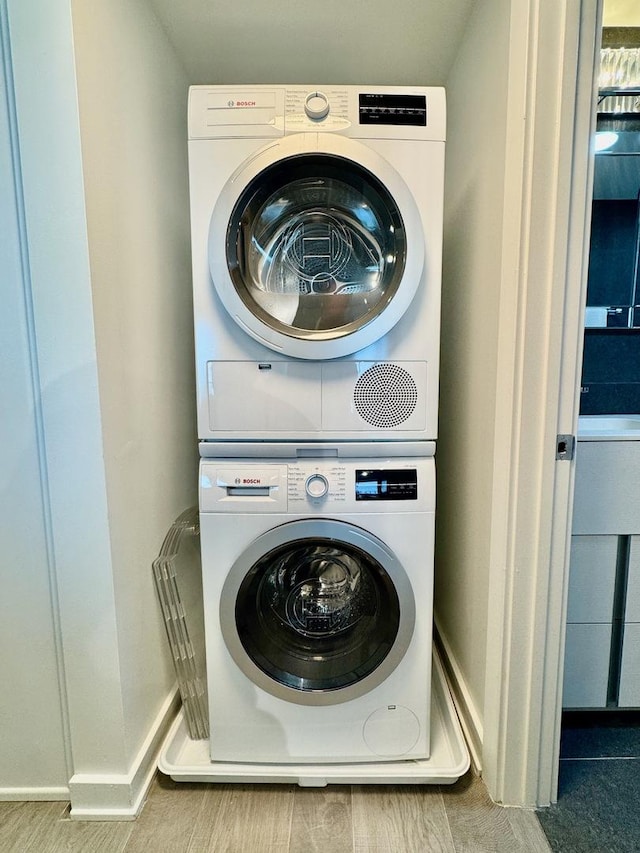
(186,760)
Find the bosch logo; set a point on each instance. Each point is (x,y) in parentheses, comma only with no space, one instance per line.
(251,481)
(232,104)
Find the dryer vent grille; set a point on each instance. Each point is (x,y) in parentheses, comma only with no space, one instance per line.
(385,395)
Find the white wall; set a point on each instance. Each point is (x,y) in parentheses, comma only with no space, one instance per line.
(65,388)
(108,374)
(132,97)
(304,41)
(621,13)
(474,189)
(32,744)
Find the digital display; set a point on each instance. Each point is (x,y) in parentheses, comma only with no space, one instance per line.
(393,109)
(399,484)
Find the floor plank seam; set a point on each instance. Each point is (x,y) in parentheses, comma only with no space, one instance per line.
(196,823)
(604,758)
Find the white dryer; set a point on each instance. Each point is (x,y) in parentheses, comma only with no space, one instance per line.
(316,235)
(317,583)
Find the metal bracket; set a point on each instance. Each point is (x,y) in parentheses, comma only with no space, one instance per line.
(565,447)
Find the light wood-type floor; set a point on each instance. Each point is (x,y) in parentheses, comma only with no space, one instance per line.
(190,818)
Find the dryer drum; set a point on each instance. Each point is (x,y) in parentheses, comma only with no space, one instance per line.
(317,615)
(316,243)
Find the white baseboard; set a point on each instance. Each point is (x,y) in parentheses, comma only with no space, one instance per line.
(28,795)
(470,718)
(121,796)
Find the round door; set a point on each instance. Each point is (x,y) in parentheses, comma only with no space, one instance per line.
(316,253)
(317,612)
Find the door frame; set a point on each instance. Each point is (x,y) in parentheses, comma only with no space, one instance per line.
(547,213)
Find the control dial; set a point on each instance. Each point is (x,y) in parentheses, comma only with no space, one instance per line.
(316,106)
(316,486)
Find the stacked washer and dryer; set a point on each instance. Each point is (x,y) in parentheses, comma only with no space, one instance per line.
(316,237)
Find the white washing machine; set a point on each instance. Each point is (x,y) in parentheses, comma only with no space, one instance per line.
(317,583)
(316,235)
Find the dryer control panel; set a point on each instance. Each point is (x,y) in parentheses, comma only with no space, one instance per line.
(362,112)
(392,109)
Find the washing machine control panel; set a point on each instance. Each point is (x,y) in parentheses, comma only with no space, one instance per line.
(386,484)
(321,486)
(316,484)
(333,485)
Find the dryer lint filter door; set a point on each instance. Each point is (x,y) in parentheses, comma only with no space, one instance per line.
(250,396)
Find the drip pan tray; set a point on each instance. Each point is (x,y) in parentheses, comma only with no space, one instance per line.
(186,760)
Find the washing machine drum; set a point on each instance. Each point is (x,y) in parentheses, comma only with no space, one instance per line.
(317,612)
(314,254)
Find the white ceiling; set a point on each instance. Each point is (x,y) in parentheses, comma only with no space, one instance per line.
(326,41)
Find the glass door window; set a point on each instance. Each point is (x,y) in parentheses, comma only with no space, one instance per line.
(317,611)
(317,615)
(316,247)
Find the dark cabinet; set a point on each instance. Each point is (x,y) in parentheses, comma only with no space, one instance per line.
(611,360)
